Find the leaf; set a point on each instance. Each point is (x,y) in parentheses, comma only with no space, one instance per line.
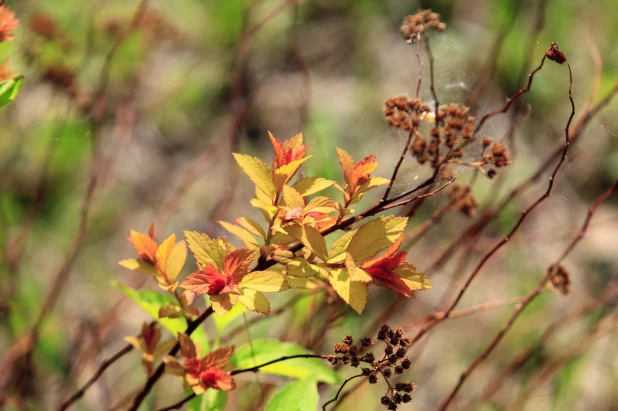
(145,246)
(293,198)
(376,236)
(170,310)
(320,205)
(206,250)
(187,348)
(139,265)
(347,164)
(356,273)
(311,238)
(237,263)
(301,395)
(254,300)
(368,185)
(223,303)
(283,174)
(164,250)
(222,321)
(352,292)
(265,281)
(414,279)
(211,400)
(218,358)
(176,260)
(245,236)
(339,248)
(250,225)
(152,301)
(9,89)
(299,267)
(311,185)
(136,343)
(258,172)
(261,351)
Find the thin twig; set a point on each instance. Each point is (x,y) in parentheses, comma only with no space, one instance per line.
(531,296)
(396,170)
(285,358)
(339,391)
(179,403)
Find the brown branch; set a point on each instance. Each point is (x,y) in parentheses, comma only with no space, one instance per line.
(104,366)
(339,391)
(284,358)
(510,100)
(154,377)
(531,296)
(180,403)
(396,170)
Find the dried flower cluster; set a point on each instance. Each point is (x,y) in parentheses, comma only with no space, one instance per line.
(561,279)
(415,25)
(462,198)
(393,362)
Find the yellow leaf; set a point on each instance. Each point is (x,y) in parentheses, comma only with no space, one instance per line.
(373,182)
(311,238)
(376,236)
(283,174)
(356,273)
(292,197)
(176,260)
(337,251)
(282,256)
(265,281)
(299,267)
(320,205)
(164,251)
(414,279)
(245,236)
(352,292)
(258,172)
(250,225)
(254,300)
(139,265)
(222,303)
(136,343)
(311,185)
(206,250)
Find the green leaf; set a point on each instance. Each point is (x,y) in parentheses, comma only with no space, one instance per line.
(211,400)
(268,350)
(376,236)
(222,321)
(9,89)
(152,301)
(301,395)
(258,172)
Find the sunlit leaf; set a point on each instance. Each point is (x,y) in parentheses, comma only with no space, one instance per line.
(9,89)
(245,236)
(254,300)
(376,236)
(301,395)
(414,279)
(264,281)
(352,292)
(205,249)
(311,185)
(258,172)
(311,238)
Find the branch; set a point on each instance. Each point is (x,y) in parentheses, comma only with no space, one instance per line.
(287,357)
(396,170)
(104,365)
(180,403)
(531,296)
(154,377)
(339,391)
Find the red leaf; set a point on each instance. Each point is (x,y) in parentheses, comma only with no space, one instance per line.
(237,263)
(208,281)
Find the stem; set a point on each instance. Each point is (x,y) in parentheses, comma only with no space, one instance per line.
(287,357)
(154,377)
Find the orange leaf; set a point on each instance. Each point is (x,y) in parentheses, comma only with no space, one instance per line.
(237,263)
(347,164)
(145,246)
(218,358)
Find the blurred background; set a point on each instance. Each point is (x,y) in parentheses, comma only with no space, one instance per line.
(130,112)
